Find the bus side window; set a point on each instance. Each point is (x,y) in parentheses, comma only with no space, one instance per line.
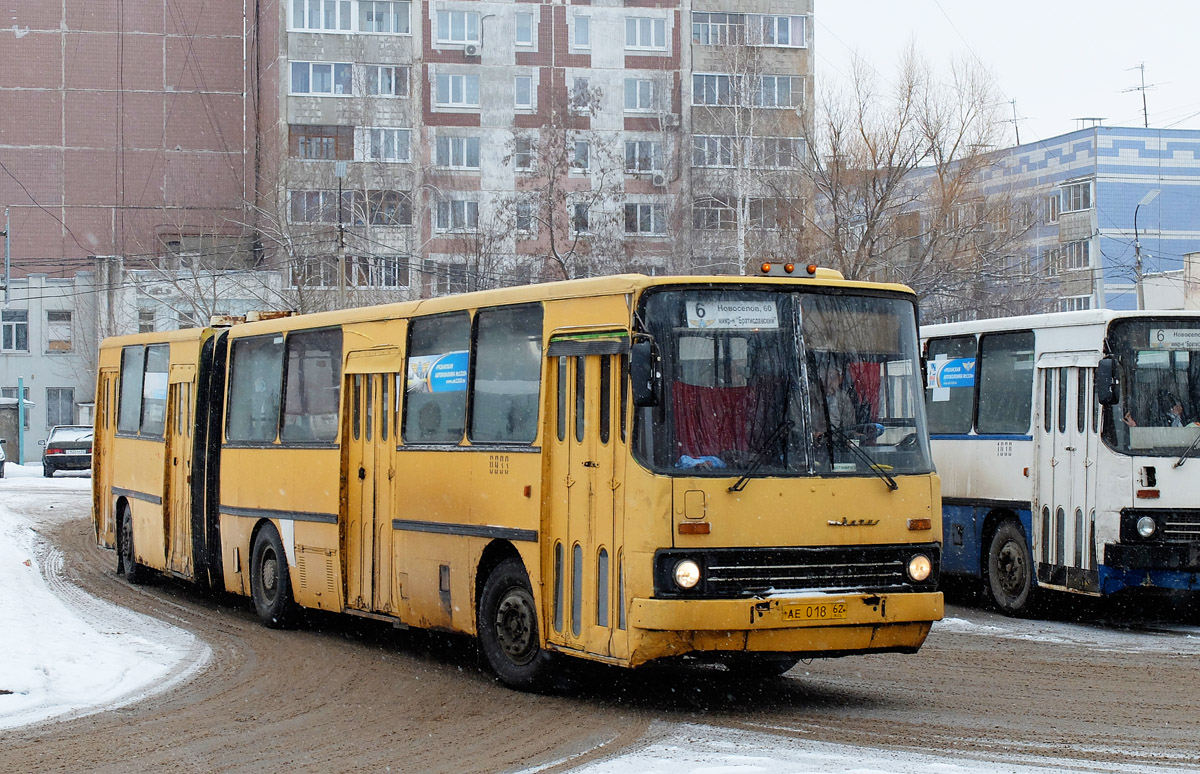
(1005,382)
(1048,400)
(154,391)
(950,408)
(314,379)
(507,376)
(129,416)
(435,403)
(256,376)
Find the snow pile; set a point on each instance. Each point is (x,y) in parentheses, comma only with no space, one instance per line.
(65,652)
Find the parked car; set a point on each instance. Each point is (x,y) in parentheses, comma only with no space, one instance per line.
(2,442)
(68,447)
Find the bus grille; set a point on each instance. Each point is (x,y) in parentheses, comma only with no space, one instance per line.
(1181,526)
(745,572)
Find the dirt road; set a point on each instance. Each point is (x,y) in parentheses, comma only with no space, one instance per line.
(348,695)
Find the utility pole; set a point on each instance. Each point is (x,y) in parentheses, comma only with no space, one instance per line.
(1137,248)
(7,257)
(340,171)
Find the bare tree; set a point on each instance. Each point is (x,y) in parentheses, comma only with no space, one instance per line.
(910,190)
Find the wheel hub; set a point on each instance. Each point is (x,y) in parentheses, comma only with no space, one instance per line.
(1011,566)
(515,628)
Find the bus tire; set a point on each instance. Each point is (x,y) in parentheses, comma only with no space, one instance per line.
(508,628)
(135,573)
(1009,579)
(270,584)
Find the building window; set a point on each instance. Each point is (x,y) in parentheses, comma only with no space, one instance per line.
(581,155)
(387,80)
(1052,262)
(779,31)
(714,213)
(319,206)
(770,214)
(646,33)
(643,156)
(334,78)
(1077,197)
(722,29)
(714,90)
(583,32)
(639,94)
(457,90)
(1052,208)
(313,273)
(60,406)
(11,392)
(147,322)
(645,219)
(775,152)
(1076,255)
(579,218)
(523,153)
(457,152)
(391,145)
(777,91)
(523,92)
(524,216)
(376,272)
(457,215)
(14,330)
(320,143)
(58,331)
(1074,303)
(322,15)
(524,29)
(457,27)
(450,278)
(581,94)
(383,16)
(712,151)
(386,208)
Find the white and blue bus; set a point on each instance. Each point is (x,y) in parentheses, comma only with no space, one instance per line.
(1069,451)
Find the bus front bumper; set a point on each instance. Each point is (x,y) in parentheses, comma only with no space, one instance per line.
(811,625)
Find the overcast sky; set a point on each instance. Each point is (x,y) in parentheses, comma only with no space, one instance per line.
(1059,59)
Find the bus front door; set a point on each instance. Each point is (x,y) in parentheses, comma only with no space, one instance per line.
(1066,454)
(177,502)
(585,599)
(102,464)
(369,435)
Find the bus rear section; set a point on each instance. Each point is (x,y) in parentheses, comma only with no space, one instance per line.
(1059,454)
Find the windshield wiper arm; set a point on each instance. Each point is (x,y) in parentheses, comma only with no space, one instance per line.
(1187,452)
(765,454)
(875,467)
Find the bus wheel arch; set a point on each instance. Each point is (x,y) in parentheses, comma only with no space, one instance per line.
(508,625)
(1007,563)
(270,579)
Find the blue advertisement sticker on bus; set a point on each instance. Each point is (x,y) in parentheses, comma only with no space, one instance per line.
(959,372)
(438,373)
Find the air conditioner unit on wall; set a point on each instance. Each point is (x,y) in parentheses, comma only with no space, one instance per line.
(658,180)
(471,49)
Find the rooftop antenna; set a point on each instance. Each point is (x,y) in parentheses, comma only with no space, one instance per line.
(1141,67)
(1015,121)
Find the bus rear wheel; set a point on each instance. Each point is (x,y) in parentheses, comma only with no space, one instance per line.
(126,557)
(1010,569)
(270,585)
(508,628)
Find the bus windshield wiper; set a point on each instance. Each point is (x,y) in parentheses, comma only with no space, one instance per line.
(1188,451)
(763,455)
(875,467)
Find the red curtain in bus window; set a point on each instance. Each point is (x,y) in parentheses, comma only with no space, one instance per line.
(711,420)
(866,377)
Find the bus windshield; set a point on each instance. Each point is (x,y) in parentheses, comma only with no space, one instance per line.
(763,382)
(1159,410)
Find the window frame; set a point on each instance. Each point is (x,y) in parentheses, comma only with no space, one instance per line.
(655,212)
(14,328)
(464,81)
(643,91)
(340,74)
(401,75)
(449,142)
(469,216)
(372,141)
(445,23)
(653,27)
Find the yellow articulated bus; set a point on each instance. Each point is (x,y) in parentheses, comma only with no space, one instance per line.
(622,469)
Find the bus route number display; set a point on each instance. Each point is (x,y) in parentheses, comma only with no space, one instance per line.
(1175,338)
(816,611)
(732,314)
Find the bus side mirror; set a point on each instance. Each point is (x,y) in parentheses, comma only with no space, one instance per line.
(1108,383)
(642,374)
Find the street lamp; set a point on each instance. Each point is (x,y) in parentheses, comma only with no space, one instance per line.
(1137,247)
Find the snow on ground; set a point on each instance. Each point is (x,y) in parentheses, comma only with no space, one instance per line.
(66,653)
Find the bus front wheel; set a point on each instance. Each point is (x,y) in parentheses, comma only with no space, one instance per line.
(270,585)
(126,558)
(1009,569)
(508,628)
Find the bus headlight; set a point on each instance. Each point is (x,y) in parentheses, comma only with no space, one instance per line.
(687,574)
(919,567)
(1146,526)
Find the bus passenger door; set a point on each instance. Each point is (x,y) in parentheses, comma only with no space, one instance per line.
(369,437)
(587,433)
(177,502)
(102,466)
